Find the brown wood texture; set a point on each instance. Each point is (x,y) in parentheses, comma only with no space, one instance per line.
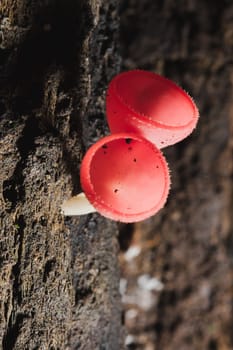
(58,277)
(188,245)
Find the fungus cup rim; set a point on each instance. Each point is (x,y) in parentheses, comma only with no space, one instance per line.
(145,118)
(95,199)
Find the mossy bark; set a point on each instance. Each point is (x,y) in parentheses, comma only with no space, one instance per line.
(59,277)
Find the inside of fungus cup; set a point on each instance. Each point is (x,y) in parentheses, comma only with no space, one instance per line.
(156,97)
(128,176)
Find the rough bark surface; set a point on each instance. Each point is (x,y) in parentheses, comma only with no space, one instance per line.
(188,246)
(58,277)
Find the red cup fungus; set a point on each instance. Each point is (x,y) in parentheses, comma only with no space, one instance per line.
(125,177)
(149,105)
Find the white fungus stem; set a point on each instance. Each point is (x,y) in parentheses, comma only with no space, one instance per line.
(77,205)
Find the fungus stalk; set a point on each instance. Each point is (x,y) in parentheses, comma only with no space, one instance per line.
(77,205)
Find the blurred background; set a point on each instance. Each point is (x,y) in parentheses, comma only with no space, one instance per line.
(177,267)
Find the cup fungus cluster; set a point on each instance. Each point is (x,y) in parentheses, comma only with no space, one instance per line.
(125,176)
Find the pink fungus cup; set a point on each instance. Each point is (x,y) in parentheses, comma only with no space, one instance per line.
(146,104)
(125,177)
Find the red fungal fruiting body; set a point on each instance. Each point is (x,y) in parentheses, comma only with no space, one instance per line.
(125,177)
(149,105)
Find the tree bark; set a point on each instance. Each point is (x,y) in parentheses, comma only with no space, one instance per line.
(59,277)
(188,245)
